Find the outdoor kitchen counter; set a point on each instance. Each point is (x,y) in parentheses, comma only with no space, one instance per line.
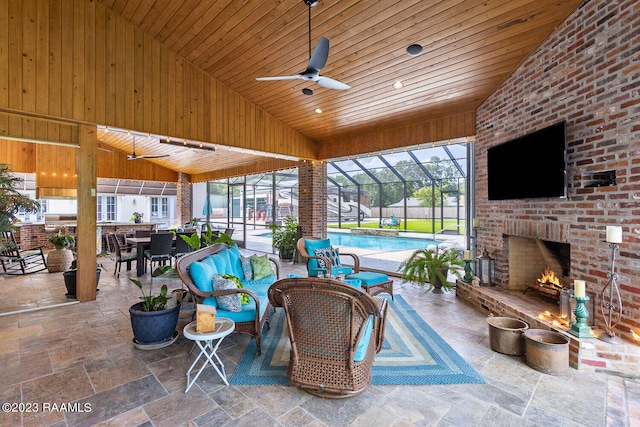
(33,235)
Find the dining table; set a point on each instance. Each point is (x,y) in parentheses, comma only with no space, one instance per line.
(141,243)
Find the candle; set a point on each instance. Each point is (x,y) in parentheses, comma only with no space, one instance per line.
(578,288)
(614,234)
(467,255)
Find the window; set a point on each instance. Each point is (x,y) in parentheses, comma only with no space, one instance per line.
(106,208)
(159,207)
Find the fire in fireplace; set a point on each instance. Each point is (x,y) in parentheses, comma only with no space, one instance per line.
(549,284)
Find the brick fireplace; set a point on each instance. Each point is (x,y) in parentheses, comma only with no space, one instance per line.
(586,74)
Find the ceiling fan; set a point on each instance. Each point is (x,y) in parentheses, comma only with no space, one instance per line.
(134,156)
(316,62)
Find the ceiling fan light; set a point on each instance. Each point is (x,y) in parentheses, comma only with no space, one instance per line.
(414,49)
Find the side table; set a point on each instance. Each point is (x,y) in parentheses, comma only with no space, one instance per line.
(205,340)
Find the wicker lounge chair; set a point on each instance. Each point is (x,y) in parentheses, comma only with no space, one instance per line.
(335,331)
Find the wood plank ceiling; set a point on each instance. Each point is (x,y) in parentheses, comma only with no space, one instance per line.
(470,46)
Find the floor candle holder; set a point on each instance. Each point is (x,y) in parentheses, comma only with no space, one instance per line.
(580,328)
(611,306)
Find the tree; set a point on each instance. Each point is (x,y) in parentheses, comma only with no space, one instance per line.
(425,194)
(11,201)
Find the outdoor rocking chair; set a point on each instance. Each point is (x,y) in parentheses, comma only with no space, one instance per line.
(17,261)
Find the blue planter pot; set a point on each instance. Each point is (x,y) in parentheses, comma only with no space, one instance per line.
(153,327)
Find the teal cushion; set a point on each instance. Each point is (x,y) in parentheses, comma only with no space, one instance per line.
(261,286)
(361,349)
(369,278)
(247,314)
(311,246)
(202,275)
(261,267)
(356,283)
(234,260)
(221,259)
(209,260)
(227,302)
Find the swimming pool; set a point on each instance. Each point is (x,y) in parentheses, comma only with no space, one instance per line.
(380,242)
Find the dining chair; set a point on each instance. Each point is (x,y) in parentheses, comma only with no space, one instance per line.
(160,249)
(121,256)
(181,247)
(142,233)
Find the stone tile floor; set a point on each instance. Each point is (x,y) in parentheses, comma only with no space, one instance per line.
(82,353)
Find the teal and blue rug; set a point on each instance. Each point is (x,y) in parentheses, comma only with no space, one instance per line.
(412,354)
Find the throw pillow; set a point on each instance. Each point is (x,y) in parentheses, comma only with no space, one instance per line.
(332,253)
(226,302)
(261,267)
(201,274)
(246,267)
(244,298)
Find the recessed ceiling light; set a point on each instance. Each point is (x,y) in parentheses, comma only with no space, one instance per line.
(318,110)
(414,49)
(398,85)
(307,91)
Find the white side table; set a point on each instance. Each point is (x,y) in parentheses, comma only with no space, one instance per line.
(205,341)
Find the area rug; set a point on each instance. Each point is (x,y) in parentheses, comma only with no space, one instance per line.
(412,353)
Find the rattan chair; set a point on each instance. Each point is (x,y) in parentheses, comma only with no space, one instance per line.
(373,283)
(331,351)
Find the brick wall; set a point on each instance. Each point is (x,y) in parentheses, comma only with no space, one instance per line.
(588,74)
(184,198)
(312,197)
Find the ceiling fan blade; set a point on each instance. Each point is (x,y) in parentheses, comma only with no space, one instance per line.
(297,76)
(320,55)
(330,83)
(135,157)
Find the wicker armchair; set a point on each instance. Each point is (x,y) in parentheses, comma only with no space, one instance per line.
(327,321)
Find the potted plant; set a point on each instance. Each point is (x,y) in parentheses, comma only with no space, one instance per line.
(429,267)
(285,237)
(61,257)
(11,200)
(154,320)
(137,217)
(70,278)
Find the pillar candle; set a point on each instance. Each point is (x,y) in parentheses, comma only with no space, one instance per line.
(614,234)
(578,288)
(467,255)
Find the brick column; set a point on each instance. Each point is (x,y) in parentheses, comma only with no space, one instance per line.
(312,197)
(184,198)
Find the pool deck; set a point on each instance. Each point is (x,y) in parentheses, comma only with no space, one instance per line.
(371,259)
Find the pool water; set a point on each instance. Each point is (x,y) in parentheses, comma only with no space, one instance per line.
(380,242)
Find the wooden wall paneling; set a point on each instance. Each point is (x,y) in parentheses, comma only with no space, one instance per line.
(89,76)
(186,98)
(120,41)
(4,57)
(110,72)
(56,166)
(147,83)
(138,67)
(42,61)
(14,53)
(78,34)
(20,156)
(179,100)
(128,71)
(101,68)
(207,107)
(67,57)
(156,87)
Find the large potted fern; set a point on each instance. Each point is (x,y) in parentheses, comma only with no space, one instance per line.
(429,268)
(154,320)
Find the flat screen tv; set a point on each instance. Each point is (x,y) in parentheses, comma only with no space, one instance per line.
(532,166)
